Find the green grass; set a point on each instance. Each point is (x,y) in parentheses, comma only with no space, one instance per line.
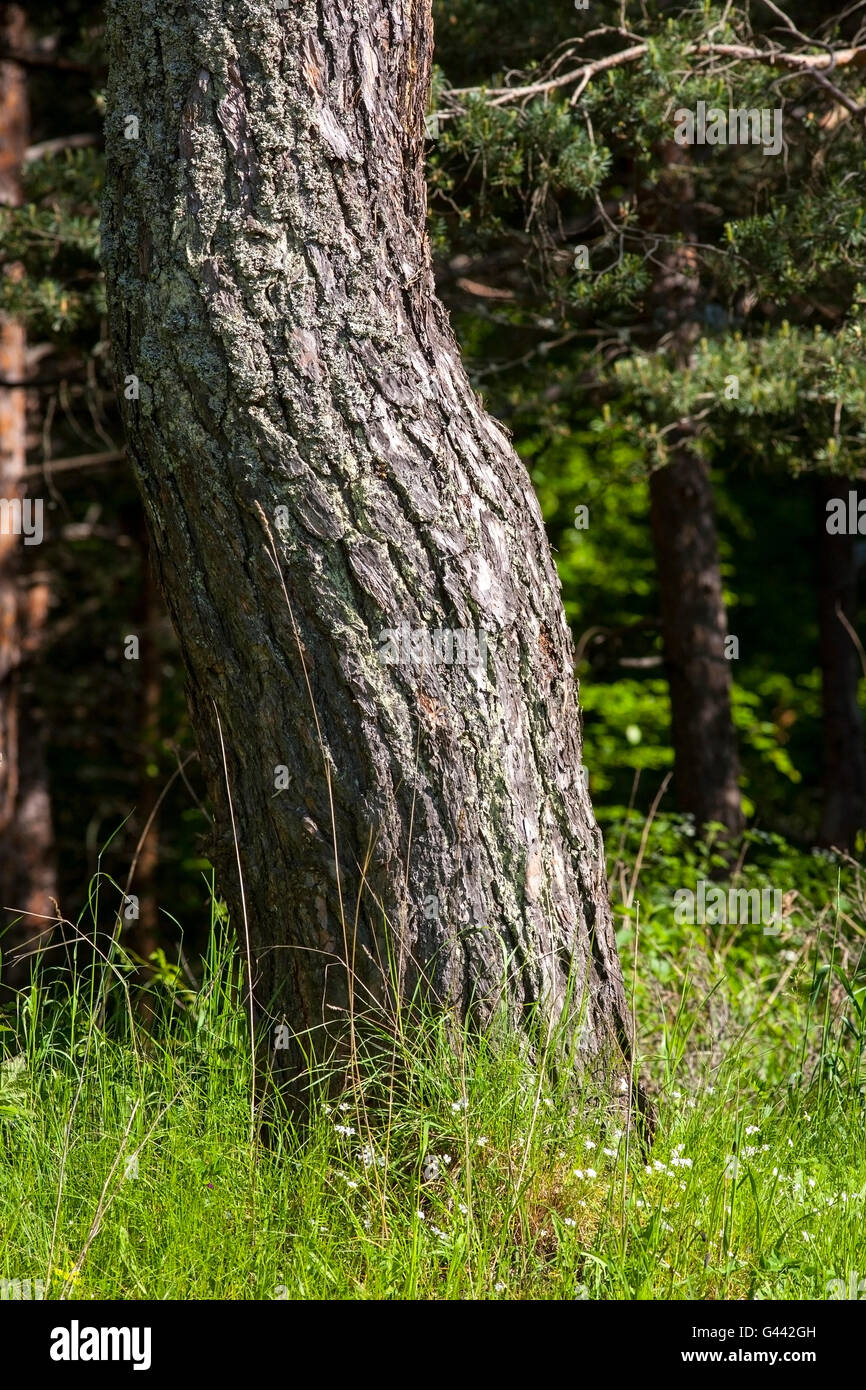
(449,1169)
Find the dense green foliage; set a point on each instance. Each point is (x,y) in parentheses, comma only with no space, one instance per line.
(579,364)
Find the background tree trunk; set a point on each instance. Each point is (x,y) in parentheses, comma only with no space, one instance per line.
(315,470)
(143,936)
(694,624)
(843,735)
(694,621)
(27,873)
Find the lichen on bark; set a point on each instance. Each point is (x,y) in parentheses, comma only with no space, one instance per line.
(316,469)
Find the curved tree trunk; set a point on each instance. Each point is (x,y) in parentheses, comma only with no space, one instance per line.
(27,866)
(317,471)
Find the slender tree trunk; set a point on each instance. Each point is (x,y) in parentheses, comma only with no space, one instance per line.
(843,735)
(27,875)
(694,624)
(694,621)
(143,935)
(317,471)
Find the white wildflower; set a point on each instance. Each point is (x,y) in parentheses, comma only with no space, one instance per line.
(369,1157)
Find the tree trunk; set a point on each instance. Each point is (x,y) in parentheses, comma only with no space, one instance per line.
(694,625)
(143,935)
(843,735)
(317,472)
(27,875)
(694,621)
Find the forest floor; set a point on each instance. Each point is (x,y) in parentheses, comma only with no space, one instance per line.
(459,1171)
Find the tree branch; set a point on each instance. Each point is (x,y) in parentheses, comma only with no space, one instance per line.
(49,61)
(51,466)
(807,64)
(63,142)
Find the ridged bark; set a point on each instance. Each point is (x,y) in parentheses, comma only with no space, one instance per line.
(316,469)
